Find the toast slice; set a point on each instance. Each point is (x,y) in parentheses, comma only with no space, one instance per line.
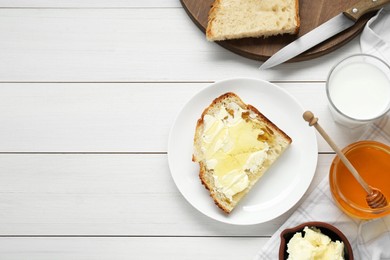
(234,145)
(235,19)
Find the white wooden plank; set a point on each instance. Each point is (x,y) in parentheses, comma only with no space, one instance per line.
(90,117)
(130,248)
(128,117)
(87,3)
(128,45)
(131,195)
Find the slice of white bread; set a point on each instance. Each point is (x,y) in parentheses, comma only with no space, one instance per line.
(234,145)
(235,19)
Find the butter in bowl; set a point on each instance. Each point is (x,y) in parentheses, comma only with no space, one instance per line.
(314,240)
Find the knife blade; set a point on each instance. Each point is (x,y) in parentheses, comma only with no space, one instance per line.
(335,25)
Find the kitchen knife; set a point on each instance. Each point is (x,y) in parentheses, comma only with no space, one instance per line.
(323,32)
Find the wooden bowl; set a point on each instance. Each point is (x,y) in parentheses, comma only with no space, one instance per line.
(332,232)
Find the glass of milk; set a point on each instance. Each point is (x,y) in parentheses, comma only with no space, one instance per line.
(358,90)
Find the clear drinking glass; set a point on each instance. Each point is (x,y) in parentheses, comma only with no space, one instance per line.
(358,90)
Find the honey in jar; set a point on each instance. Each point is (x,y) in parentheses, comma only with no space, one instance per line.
(372,161)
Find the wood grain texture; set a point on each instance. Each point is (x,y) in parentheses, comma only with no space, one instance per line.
(88,3)
(108,195)
(121,117)
(110,45)
(312,14)
(126,248)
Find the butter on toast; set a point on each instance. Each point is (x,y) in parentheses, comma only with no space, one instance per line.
(234,145)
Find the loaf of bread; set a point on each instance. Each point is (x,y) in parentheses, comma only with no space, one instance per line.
(234,145)
(235,19)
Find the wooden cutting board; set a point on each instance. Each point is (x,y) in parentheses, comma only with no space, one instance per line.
(312,14)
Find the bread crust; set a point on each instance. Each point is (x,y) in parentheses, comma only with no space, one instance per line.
(211,18)
(205,176)
(297,17)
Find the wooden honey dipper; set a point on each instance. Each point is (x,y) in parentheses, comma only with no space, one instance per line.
(375,198)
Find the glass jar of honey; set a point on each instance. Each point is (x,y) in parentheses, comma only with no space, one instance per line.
(372,160)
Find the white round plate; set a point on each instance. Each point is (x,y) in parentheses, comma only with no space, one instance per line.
(281,187)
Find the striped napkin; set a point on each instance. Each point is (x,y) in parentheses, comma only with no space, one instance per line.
(375,39)
(369,239)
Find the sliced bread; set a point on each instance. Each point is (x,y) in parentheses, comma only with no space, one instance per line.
(234,145)
(235,19)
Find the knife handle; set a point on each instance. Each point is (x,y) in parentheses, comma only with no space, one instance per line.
(365,6)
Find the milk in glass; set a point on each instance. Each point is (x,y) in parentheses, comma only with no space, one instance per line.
(359,92)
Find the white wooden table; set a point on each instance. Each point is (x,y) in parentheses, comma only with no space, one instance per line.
(88,93)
